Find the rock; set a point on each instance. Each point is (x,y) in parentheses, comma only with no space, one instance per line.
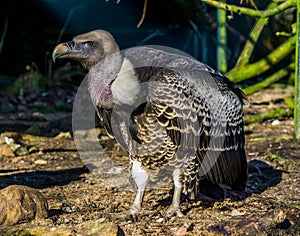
(95,229)
(21,151)
(5,150)
(63,135)
(42,231)
(21,204)
(40,162)
(276,122)
(236,212)
(99,228)
(185,228)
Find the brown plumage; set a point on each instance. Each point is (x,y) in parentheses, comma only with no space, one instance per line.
(171,113)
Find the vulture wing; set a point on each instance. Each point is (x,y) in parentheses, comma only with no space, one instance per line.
(195,116)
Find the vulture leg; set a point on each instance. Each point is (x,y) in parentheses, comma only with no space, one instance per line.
(174,209)
(140,178)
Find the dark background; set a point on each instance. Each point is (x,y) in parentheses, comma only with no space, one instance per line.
(34,28)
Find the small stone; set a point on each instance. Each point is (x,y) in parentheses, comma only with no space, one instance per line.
(100,228)
(236,212)
(22,151)
(40,162)
(43,231)
(5,150)
(182,231)
(275,122)
(160,220)
(64,135)
(187,227)
(13,146)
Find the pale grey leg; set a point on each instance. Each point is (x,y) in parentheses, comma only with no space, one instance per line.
(140,178)
(174,209)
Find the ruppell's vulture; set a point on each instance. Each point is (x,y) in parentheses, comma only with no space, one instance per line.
(181,116)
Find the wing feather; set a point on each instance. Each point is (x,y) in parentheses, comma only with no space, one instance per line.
(207,118)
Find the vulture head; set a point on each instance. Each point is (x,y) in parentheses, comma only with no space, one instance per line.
(88,48)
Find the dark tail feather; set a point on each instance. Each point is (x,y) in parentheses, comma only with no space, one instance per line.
(230,168)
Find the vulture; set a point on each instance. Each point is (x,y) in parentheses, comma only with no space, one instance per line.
(170,112)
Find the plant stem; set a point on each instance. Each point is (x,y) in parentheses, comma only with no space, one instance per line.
(297,77)
(222,40)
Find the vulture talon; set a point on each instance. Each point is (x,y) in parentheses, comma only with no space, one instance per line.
(174,211)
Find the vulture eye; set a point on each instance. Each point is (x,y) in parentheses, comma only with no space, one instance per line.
(88,44)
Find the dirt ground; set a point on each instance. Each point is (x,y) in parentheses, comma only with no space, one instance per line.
(270,205)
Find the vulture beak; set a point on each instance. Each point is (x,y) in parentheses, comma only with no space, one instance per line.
(62,50)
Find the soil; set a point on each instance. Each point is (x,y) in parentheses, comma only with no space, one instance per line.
(270,205)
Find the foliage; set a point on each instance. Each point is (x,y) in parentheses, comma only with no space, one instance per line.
(246,69)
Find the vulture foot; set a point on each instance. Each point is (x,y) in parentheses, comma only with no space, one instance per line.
(174,210)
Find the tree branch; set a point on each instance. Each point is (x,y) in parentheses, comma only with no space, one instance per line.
(252,12)
(241,73)
(278,75)
(253,37)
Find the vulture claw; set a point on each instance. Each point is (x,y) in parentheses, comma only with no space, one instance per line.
(174,211)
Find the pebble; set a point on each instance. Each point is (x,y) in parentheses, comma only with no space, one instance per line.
(275,122)
(5,150)
(40,162)
(236,212)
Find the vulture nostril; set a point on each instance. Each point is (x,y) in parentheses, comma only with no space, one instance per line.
(71,44)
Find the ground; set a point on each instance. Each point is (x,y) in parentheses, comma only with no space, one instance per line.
(50,162)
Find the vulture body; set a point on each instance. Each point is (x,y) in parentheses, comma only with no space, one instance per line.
(170,112)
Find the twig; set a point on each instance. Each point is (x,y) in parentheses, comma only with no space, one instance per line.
(144,14)
(67,22)
(4,33)
(253,4)
(151,35)
(252,12)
